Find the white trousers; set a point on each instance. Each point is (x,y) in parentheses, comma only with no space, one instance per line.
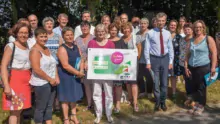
(97,97)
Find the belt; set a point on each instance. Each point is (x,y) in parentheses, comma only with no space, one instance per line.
(162,56)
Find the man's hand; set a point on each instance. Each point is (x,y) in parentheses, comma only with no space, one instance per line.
(148,66)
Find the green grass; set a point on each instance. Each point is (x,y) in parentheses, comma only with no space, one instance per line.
(145,105)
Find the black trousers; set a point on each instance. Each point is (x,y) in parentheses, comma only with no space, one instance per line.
(145,80)
(197,83)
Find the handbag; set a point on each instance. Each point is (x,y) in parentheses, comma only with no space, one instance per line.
(9,68)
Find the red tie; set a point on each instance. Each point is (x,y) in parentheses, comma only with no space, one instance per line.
(161,43)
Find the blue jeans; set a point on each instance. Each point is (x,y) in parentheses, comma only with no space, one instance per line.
(44,96)
(159,66)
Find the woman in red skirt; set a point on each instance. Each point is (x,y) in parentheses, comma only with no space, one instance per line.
(17,91)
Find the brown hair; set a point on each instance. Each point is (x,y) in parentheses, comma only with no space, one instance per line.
(173,20)
(203,26)
(39,30)
(19,26)
(112,26)
(117,21)
(126,25)
(179,26)
(188,25)
(65,29)
(21,20)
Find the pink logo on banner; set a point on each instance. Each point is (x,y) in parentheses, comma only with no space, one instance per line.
(117,58)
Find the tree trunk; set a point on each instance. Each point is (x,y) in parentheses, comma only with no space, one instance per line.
(92,7)
(14,11)
(188,9)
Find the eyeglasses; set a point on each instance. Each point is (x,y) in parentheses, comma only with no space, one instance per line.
(198,27)
(23,33)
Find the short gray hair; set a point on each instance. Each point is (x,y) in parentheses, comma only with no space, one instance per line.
(46,19)
(161,14)
(63,15)
(145,20)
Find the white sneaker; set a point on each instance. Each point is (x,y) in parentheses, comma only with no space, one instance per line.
(97,120)
(110,119)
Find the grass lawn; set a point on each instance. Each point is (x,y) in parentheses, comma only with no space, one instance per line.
(146,106)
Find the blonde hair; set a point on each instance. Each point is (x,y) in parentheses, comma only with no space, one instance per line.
(144,20)
(126,25)
(105,16)
(203,26)
(100,27)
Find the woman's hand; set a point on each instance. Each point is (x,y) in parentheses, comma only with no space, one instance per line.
(53,82)
(7,91)
(80,74)
(212,72)
(187,71)
(57,80)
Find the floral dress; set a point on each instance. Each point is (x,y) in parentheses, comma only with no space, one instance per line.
(177,70)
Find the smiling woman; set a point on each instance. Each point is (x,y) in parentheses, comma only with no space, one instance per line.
(198,63)
(44,77)
(17,91)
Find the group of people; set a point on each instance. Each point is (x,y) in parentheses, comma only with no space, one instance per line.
(53,62)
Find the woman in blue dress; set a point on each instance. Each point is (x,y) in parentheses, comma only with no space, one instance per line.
(70,72)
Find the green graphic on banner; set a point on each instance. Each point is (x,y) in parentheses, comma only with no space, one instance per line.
(104,65)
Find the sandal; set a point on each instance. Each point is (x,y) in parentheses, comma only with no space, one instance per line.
(72,120)
(194,108)
(116,110)
(64,120)
(199,111)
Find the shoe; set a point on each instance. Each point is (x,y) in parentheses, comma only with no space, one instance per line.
(110,119)
(163,107)
(157,107)
(116,111)
(199,111)
(97,120)
(136,108)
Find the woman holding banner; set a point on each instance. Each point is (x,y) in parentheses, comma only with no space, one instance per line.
(198,63)
(101,42)
(128,41)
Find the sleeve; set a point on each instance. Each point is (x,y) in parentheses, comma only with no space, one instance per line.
(9,45)
(90,44)
(170,50)
(11,39)
(77,32)
(147,49)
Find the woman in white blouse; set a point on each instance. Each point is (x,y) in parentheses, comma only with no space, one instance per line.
(44,77)
(17,91)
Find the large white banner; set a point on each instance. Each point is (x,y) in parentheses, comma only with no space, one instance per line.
(112,64)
